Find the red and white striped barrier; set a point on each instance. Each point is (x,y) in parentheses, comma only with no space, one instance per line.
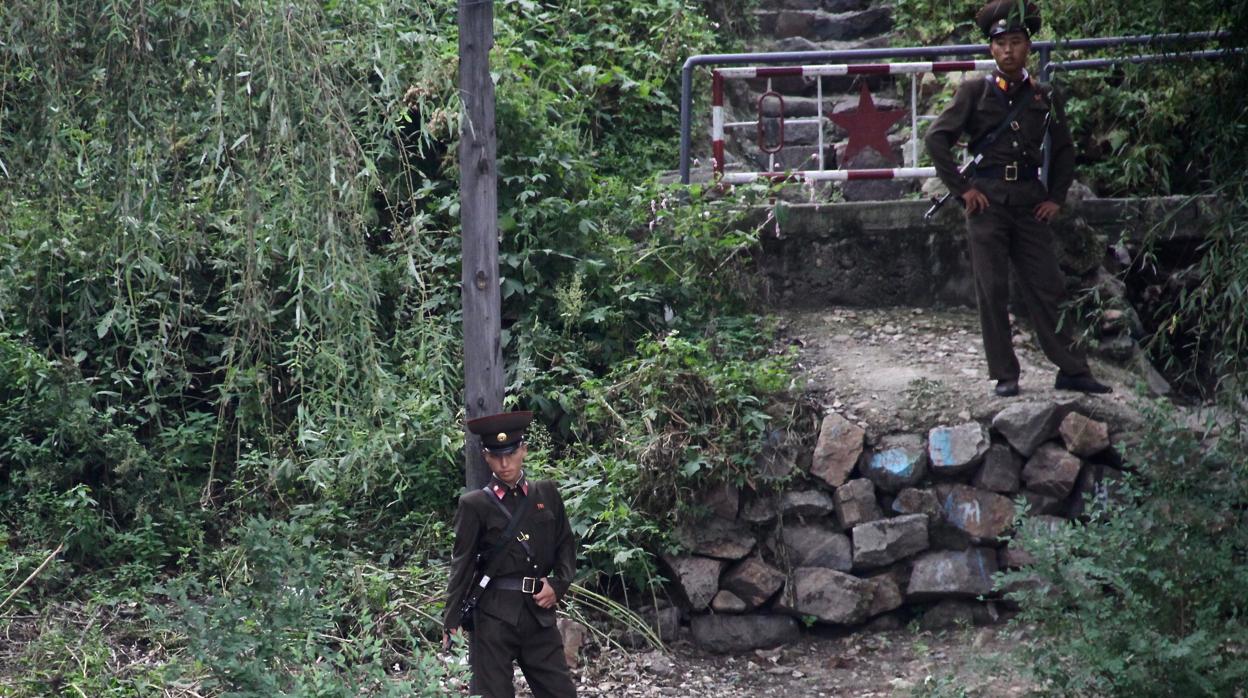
(830,175)
(811,71)
(718,123)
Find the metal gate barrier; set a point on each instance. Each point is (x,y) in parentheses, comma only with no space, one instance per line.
(768,65)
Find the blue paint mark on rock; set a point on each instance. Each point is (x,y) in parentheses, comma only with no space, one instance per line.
(894,461)
(899,462)
(941,446)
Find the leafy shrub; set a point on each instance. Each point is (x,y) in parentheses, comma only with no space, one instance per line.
(282,619)
(1147,597)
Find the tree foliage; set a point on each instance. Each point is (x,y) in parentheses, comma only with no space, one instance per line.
(229,302)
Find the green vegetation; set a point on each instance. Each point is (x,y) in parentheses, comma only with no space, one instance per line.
(230,423)
(229,362)
(1148,597)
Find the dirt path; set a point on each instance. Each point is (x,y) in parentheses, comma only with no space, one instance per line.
(909,369)
(862,665)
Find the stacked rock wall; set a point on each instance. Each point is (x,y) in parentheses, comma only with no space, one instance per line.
(879,531)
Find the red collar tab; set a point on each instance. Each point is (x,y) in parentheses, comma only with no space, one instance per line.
(1005,84)
(500,488)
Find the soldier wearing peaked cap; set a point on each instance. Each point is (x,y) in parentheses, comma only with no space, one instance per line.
(1008,207)
(513,620)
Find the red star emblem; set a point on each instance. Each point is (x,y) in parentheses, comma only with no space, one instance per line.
(867,127)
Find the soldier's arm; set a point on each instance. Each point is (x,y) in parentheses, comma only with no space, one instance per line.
(943,135)
(1062,159)
(564,569)
(463,560)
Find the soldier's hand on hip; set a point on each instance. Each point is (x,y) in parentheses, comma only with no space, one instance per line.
(546,597)
(1045,210)
(975,201)
(446,637)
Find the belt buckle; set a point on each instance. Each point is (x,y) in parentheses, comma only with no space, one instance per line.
(1011,173)
(528,585)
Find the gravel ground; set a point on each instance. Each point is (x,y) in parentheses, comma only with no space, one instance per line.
(967,661)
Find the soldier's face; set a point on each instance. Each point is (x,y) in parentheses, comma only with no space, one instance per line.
(506,467)
(1010,51)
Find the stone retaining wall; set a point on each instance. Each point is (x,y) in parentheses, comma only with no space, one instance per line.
(882,529)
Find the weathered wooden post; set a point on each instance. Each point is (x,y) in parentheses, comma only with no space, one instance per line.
(478,211)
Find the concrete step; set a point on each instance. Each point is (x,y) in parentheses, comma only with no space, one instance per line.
(818,25)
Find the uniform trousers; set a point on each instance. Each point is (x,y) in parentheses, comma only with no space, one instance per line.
(998,235)
(495,644)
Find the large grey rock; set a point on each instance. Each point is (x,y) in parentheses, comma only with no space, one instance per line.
(855,503)
(957,450)
(899,461)
(697,577)
(723,633)
(717,537)
(817,546)
(1026,425)
(753,581)
(1052,471)
(727,602)
(1083,436)
(830,596)
(952,573)
(915,501)
(984,515)
(882,542)
(806,503)
(837,450)
(885,594)
(1000,470)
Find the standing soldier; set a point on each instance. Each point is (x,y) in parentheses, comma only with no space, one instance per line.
(1008,207)
(516,533)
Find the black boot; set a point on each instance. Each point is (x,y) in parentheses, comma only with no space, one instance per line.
(1084,384)
(1006,388)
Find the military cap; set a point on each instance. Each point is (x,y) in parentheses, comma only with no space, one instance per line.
(501,433)
(1004,16)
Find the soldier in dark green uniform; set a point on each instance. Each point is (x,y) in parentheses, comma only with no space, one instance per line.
(515,615)
(1008,207)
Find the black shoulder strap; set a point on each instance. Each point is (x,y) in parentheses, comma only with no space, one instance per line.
(486,562)
(983,142)
(513,524)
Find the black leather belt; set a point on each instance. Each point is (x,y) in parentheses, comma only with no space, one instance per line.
(1010,173)
(528,585)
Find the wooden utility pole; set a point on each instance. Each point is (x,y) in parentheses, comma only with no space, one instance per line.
(478,211)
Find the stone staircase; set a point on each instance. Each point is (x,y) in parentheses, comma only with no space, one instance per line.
(817,25)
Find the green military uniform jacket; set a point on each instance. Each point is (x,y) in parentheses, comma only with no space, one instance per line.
(978,106)
(478,526)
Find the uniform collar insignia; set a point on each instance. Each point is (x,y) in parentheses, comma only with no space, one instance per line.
(500,488)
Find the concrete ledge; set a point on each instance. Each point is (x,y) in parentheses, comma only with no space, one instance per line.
(882,253)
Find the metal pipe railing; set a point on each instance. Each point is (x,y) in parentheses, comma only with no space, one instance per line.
(1043,48)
